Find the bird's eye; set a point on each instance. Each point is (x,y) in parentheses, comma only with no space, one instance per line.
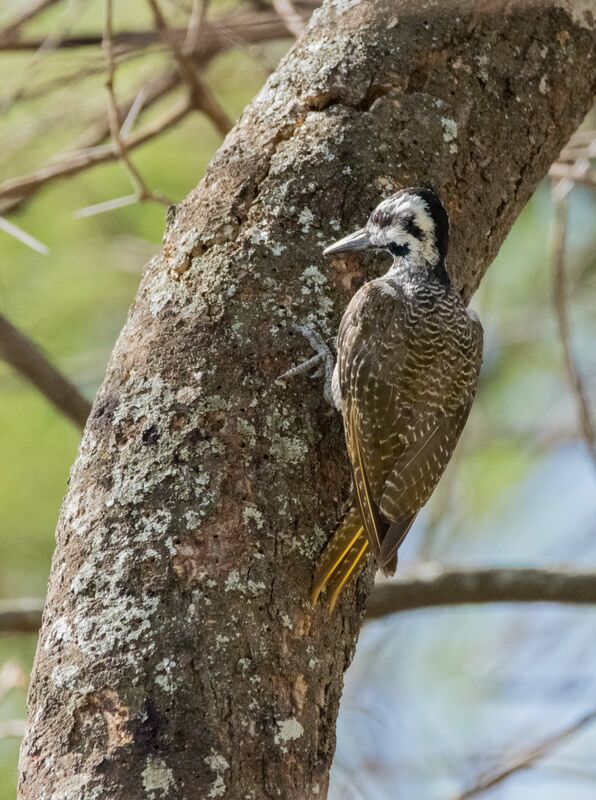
(377,218)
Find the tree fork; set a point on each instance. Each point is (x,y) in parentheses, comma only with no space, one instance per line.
(179,656)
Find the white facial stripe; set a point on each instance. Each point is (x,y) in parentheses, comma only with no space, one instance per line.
(411,204)
(424,248)
(419,249)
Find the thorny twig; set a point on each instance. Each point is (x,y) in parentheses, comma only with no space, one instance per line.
(250,26)
(79,161)
(288,13)
(243,29)
(142,192)
(150,93)
(560,305)
(201,95)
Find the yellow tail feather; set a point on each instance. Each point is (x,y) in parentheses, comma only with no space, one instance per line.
(348,567)
(340,558)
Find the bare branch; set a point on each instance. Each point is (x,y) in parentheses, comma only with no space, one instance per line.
(242,29)
(122,41)
(529,758)
(578,172)
(201,95)
(292,19)
(574,377)
(429,586)
(250,25)
(20,616)
(25,357)
(33,9)
(79,161)
(142,192)
(12,729)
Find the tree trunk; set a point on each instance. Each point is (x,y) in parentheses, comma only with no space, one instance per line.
(179,656)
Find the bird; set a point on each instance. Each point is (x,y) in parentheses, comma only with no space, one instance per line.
(409,353)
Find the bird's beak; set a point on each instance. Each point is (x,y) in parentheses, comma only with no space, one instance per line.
(355,241)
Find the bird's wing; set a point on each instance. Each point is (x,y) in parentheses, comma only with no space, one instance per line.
(401,424)
(416,472)
(368,504)
(361,383)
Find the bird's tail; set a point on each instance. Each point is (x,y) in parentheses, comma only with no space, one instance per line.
(341,558)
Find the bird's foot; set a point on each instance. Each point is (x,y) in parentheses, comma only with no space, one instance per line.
(322,363)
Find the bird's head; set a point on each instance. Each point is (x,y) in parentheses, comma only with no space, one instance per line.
(411,225)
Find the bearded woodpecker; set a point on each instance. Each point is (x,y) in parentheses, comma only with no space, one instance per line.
(408,359)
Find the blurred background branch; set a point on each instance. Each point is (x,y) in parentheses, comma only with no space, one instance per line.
(527,759)
(20,616)
(574,378)
(430,585)
(28,360)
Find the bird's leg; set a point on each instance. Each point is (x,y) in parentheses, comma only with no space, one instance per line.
(323,362)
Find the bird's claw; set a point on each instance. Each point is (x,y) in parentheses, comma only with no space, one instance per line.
(323,362)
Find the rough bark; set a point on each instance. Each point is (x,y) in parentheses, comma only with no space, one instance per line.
(179,656)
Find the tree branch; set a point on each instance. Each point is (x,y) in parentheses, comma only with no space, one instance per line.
(529,758)
(85,159)
(205,487)
(422,587)
(574,378)
(142,192)
(33,9)
(25,357)
(430,585)
(242,25)
(200,93)
(20,616)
